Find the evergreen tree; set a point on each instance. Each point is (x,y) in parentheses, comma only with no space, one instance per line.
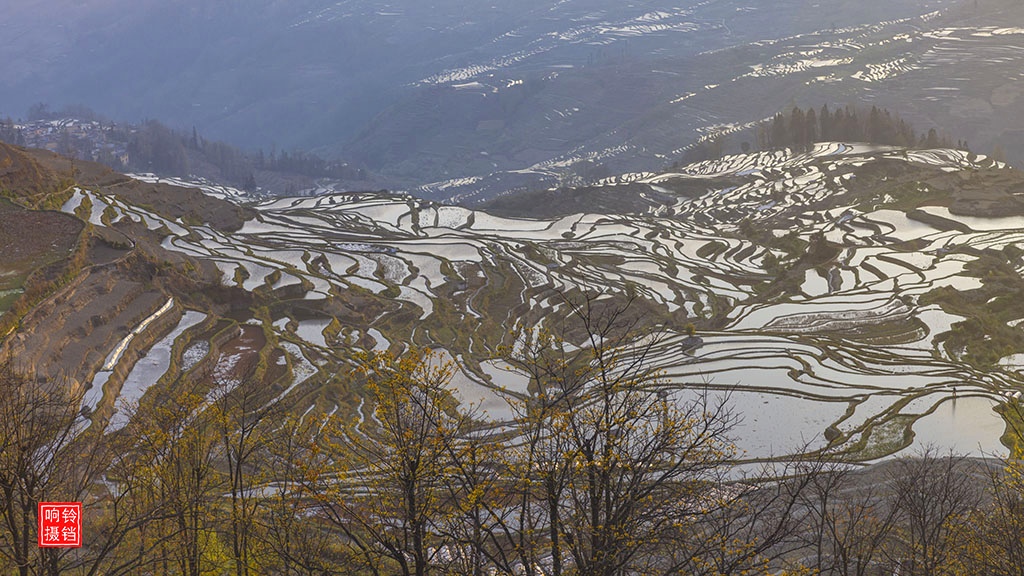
(798,129)
(811,123)
(780,132)
(825,122)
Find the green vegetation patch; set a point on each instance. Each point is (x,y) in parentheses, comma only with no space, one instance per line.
(910,196)
(885,438)
(8,297)
(891,333)
(711,250)
(1013,437)
(984,336)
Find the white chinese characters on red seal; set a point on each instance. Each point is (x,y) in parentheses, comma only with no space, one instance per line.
(60,524)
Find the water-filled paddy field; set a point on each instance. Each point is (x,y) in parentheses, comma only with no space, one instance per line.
(830,312)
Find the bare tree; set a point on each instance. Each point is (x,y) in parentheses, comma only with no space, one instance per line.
(43,456)
(383,483)
(612,470)
(850,519)
(934,495)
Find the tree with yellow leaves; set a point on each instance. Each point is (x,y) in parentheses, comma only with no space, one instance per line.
(38,434)
(990,537)
(384,482)
(241,418)
(611,472)
(294,538)
(174,441)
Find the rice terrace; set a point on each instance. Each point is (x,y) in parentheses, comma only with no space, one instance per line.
(512,288)
(888,326)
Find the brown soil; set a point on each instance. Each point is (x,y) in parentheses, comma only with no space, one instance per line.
(21,175)
(69,335)
(988,193)
(30,239)
(30,172)
(239,356)
(275,369)
(107,246)
(82,171)
(189,204)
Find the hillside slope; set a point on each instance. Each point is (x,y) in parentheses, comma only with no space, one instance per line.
(860,289)
(467,101)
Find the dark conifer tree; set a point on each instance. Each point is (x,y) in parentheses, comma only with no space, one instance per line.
(825,124)
(811,130)
(780,137)
(798,129)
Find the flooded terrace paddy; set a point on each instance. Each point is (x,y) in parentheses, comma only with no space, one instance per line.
(834,315)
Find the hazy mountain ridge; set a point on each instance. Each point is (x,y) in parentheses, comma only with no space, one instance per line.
(513,97)
(916,66)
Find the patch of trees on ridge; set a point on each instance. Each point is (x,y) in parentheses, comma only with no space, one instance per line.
(800,129)
(157,148)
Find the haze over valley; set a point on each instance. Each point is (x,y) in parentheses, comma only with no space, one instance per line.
(457,101)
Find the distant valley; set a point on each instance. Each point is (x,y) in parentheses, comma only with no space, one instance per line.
(469,105)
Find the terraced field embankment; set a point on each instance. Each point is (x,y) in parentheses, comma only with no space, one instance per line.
(815,278)
(844,287)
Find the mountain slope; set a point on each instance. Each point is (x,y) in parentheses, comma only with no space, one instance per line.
(467,101)
(853,287)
